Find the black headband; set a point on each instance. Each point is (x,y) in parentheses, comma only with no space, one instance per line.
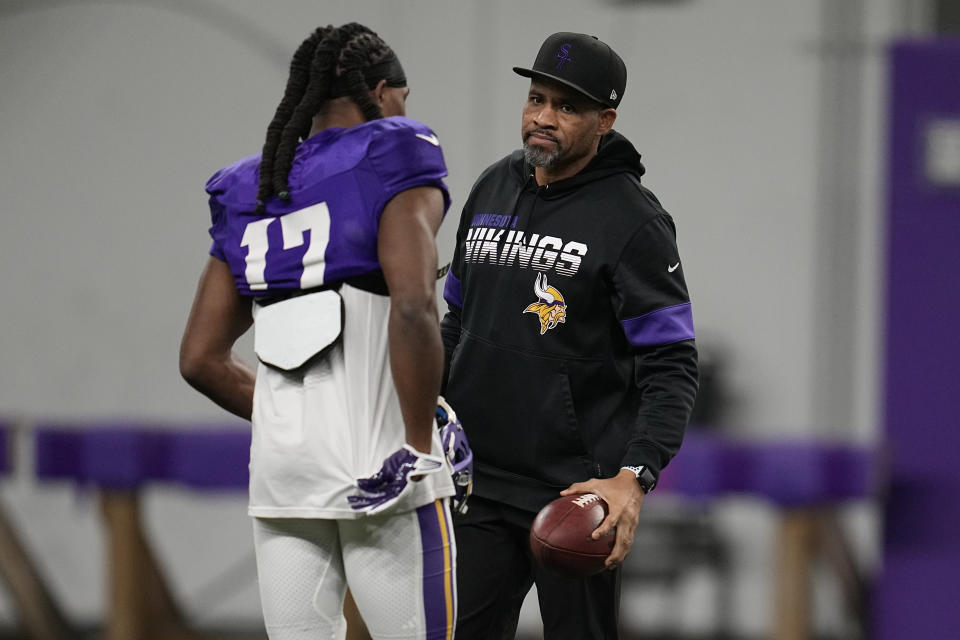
(388,69)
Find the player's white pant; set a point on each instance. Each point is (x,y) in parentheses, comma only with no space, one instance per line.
(400,568)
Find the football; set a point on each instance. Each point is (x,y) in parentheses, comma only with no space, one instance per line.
(560,536)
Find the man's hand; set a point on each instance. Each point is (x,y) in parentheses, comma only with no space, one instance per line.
(624,497)
(383,489)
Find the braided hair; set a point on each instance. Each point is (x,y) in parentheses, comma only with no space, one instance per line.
(332,62)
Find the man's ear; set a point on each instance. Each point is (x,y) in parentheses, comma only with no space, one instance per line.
(607,118)
(376,94)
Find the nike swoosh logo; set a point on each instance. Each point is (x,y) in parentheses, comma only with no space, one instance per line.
(432,139)
(673,268)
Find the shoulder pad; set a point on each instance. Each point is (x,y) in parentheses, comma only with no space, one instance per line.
(239,173)
(406,153)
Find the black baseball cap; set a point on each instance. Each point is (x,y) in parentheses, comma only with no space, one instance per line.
(581,62)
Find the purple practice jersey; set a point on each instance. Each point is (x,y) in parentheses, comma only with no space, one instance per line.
(340,181)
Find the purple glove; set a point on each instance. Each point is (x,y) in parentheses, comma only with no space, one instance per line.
(383,489)
(458,453)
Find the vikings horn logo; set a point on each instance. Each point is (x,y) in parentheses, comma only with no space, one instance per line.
(551,308)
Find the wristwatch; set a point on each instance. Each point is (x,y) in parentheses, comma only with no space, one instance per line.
(644,477)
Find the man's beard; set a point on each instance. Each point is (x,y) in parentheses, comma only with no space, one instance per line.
(541,157)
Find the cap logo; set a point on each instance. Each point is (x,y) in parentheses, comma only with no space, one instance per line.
(613,94)
(563,56)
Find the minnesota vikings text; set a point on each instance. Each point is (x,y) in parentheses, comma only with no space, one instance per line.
(508,248)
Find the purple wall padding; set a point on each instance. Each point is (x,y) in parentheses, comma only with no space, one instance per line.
(6,435)
(127,455)
(789,474)
(917,589)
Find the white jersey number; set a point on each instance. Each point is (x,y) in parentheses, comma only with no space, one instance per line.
(315,219)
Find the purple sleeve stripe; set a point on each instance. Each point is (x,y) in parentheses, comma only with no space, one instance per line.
(439,597)
(451,291)
(663,326)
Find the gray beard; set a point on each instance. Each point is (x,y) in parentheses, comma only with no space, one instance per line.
(541,158)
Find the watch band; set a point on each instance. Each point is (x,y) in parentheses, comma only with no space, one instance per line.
(644,476)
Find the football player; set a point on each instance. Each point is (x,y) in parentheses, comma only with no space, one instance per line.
(325,242)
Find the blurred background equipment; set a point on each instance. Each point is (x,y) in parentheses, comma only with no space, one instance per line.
(119,461)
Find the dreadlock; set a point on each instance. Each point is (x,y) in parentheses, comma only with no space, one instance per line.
(296,86)
(330,63)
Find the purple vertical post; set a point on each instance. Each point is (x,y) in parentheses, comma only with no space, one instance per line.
(919,580)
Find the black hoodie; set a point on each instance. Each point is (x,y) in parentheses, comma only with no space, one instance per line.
(569,337)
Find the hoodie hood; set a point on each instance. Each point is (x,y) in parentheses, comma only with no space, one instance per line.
(615,154)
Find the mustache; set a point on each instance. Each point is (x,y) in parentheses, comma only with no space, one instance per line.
(542,133)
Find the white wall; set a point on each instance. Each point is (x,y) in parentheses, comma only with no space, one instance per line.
(112,116)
